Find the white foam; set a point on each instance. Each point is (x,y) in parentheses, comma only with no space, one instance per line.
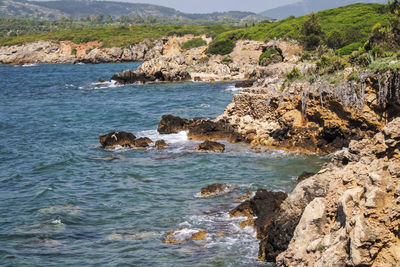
(30,65)
(232,88)
(180,137)
(101,85)
(58,221)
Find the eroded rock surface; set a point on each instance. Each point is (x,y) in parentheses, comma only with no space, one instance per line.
(211,146)
(264,205)
(347,214)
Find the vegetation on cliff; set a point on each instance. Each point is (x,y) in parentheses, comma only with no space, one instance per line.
(121,36)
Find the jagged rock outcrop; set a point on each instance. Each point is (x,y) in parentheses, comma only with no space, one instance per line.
(263,207)
(315,117)
(199,129)
(347,214)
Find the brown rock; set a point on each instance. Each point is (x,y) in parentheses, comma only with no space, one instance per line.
(201,235)
(304,176)
(161,144)
(210,146)
(143,142)
(115,139)
(215,189)
(264,206)
(245,197)
(171,124)
(171,237)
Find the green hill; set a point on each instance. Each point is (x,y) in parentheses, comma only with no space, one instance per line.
(121,36)
(356,21)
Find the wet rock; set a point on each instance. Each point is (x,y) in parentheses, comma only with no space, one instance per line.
(114,139)
(264,205)
(215,190)
(205,129)
(210,146)
(143,142)
(201,235)
(304,176)
(161,144)
(173,237)
(245,84)
(171,124)
(245,197)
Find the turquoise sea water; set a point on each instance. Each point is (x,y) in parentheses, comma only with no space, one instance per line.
(66,201)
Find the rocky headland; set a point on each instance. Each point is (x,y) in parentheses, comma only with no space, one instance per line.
(345,215)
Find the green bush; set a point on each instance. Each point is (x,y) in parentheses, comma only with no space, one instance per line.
(292,75)
(271,55)
(194,43)
(335,40)
(311,32)
(348,49)
(355,76)
(221,47)
(73,52)
(360,58)
(330,64)
(227,60)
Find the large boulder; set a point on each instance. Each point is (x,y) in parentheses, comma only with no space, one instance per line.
(210,146)
(115,139)
(264,205)
(171,124)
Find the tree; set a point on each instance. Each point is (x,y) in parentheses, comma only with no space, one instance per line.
(125,19)
(109,19)
(311,32)
(99,17)
(335,40)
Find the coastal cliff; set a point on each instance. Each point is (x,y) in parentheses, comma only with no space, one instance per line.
(49,52)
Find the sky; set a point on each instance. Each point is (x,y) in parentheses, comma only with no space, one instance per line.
(205,6)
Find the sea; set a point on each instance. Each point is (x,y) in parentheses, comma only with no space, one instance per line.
(66,201)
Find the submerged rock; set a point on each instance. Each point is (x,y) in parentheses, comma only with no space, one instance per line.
(210,146)
(115,139)
(143,142)
(161,144)
(201,235)
(215,190)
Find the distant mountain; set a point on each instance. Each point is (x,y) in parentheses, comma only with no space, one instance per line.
(81,8)
(305,7)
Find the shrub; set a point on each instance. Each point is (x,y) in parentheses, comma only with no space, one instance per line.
(377,51)
(335,40)
(311,32)
(360,58)
(221,47)
(271,55)
(292,75)
(73,52)
(194,43)
(227,60)
(354,77)
(348,49)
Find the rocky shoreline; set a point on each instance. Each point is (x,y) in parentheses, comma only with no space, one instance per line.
(345,215)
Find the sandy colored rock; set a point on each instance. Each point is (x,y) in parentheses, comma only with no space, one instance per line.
(215,190)
(201,235)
